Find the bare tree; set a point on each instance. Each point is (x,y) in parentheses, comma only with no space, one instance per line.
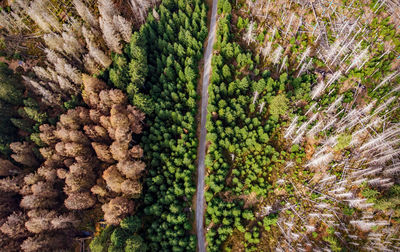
(85,13)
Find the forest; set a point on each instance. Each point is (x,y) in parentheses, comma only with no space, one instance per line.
(81,143)
(303,128)
(101,114)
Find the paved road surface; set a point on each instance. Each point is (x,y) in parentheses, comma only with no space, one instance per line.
(202,141)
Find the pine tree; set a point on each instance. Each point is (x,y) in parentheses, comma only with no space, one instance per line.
(10,91)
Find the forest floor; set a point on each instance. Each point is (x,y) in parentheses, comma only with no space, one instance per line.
(14,64)
(200,206)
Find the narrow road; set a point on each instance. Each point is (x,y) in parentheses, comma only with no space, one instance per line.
(202,142)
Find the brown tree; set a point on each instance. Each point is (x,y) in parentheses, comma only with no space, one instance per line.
(131,188)
(79,201)
(136,152)
(34,201)
(23,154)
(46,242)
(44,190)
(117,209)
(103,153)
(113,178)
(39,221)
(47,134)
(98,190)
(84,143)
(119,117)
(33,244)
(14,226)
(11,184)
(8,244)
(7,168)
(8,204)
(97,133)
(32,178)
(119,150)
(131,169)
(136,118)
(65,221)
(47,173)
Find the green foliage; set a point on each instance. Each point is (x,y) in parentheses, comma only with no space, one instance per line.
(278,105)
(343,141)
(10,87)
(269,221)
(240,23)
(224,6)
(227,8)
(259,86)
(158,70)
(118,238)
(240,157)
(30,102)
(17,113)
(135,244)
(390,201)
(348,210)
(121,238)
(35,138)
(129,72)
(370,194)
(333,243)
(248,215)
(132,224)
(71,104)
(35,115)
(22,124)
(101,242)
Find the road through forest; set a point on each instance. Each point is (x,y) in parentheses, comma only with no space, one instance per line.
(203,132)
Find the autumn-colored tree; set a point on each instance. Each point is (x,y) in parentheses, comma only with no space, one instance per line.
(7,168)
(65,221)
(23,154)
(39,221)
(47,242)
(117,209)
(14,226)
(88,142)
(131,169)
(131,188)
(79,200)
(113,178)
(103,152)
(11,184)
(34,201)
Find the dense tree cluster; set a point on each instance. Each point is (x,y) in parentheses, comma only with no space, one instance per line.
(21,114)
(32,216)
(126,237)
(244,113)
(79,42)
(262,193)
(22,21)
(90,157)
(171,44)
(87,143)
